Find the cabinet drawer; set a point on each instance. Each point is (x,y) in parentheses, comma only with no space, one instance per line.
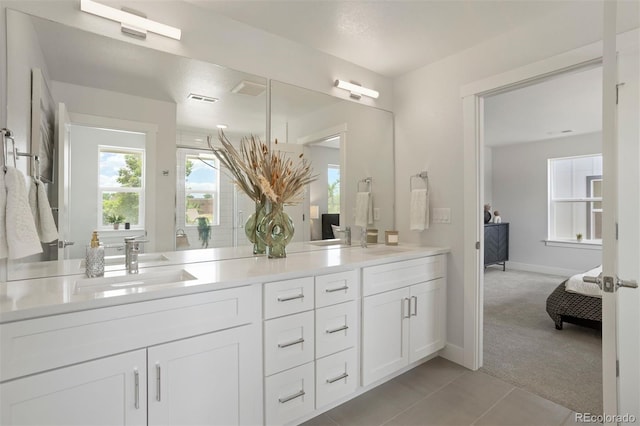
(390,276)
(289,395)
(288,342)
(336,377)
(288,297)
(50,342)
(336,288)
(336,328)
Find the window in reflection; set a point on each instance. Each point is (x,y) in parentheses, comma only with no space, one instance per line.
(121,186)
(333,188)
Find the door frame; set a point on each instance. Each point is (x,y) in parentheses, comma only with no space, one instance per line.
(472,96)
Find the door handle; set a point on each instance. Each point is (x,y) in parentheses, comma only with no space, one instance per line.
(626,283)
(593,280)
(158,383)
(415,306)
(65,243)
(136,384)
(295,342)
(406,312)
(291,397)
(607,283)
(288,298)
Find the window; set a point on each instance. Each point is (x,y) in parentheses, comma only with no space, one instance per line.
(121,186)
(199,173)
(575,198)
(333,188)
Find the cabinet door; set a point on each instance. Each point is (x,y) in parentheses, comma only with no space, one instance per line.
(427,324)
(109,391)
(385,334)
(213,379)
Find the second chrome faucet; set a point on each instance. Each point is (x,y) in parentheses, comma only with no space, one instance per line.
(131,251)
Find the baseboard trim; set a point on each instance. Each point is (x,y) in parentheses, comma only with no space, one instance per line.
(541,269)
(453,353)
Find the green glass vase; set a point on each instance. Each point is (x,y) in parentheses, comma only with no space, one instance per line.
(250,229)
(276,231)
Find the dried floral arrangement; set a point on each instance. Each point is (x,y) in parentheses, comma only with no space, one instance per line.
(261,172)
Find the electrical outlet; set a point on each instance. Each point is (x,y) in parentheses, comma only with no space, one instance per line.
(376,213)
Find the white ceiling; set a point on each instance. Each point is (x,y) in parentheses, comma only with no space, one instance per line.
(391,37)
(546,110)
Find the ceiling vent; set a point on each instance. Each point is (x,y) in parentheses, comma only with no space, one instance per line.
(202,98)
(249,88)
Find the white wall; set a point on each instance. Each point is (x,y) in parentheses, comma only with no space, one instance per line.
(161,156)
(429,129)
(488,177)
(520,193)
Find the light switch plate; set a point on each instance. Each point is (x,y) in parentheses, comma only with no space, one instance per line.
(376,213)
(441,215)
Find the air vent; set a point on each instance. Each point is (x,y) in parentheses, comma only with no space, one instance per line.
(202,98)
(249,88)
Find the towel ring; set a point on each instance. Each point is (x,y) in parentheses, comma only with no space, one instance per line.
(422,175)
(367,182)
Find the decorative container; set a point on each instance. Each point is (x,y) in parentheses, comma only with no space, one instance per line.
(391,238)
(276,230)
(251,227)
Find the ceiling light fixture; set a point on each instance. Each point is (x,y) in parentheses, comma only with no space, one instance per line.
(202,98)
(132,22)
(221,126)
(356,89)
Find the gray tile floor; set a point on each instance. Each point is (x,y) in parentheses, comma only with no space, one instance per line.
(440,392)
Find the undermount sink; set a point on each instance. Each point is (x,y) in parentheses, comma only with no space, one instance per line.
(131,281)
(142,258)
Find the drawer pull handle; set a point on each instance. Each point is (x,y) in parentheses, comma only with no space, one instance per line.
(295,342)
(286,299)
(333,290)
(415,306)
(291,397)
(136,381)
(335,330)
(340,377)
(158,381)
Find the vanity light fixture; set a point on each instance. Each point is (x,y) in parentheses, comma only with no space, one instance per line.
(357,91)
(132,22)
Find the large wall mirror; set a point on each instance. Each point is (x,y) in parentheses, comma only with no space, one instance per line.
(131,142)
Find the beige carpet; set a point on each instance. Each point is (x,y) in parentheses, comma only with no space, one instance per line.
(522,346)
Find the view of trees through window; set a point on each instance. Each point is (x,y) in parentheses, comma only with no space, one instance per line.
(333,187)
(121,185)
(201,189)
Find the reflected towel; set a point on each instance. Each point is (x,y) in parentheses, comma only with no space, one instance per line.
(419,210)
(4,250)
(364,209)
(22,237)
(41,211)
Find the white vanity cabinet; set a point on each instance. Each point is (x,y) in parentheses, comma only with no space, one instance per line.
(403,314)
(310,337)
(180,376)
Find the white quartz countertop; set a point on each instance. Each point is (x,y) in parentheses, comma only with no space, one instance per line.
(33,298)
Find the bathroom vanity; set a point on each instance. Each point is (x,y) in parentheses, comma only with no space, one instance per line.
(240,341)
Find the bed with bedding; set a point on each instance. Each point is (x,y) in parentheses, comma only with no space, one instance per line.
(577,302)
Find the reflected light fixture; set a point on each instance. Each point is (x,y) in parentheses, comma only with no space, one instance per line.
(314,212)
(357,91)
(221,126)
(133,22)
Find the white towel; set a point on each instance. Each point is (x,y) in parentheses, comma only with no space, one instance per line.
(22,237)
(4,250)
(41,211)
(419,210)
(364,209)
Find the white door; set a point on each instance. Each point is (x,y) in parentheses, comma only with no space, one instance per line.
(109,391)
(62,187)
(212,379)
(427,311)
(385,334)
(621,200)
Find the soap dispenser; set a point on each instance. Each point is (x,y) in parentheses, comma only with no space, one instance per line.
(94,261)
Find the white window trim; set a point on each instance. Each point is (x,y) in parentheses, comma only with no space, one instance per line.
(183,153)
(584,244)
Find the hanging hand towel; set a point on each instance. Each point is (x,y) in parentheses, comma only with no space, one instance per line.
(4,250)
(41,211)
(22,237)
(364,209)
(419,210)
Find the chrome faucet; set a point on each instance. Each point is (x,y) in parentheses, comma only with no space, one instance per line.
(347,234)
(132,248)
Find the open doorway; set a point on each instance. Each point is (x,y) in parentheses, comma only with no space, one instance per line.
(542,152)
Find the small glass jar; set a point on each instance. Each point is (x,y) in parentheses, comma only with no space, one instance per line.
(94,261)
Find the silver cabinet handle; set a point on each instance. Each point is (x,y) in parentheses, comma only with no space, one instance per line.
(286,299)
(415,306)
(333,290)
(408,308)
(136,384)
(291,397)
(340,377)
(295,342)
(158,383)
(335,330)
